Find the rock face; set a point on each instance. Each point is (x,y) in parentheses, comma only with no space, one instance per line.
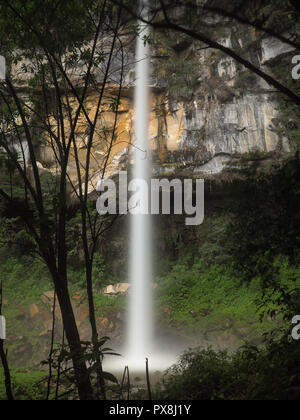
(229,113)
(272,47)
(243,125)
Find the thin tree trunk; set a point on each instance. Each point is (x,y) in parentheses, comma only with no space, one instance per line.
(100,380)
(51,349)
(148,380)
(59,367)
(126,372)
(4,361)
(3,357)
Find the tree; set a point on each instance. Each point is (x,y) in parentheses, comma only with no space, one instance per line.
(3,357)
(60,69)
(190,18)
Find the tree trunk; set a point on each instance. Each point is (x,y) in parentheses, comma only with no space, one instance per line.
(6,372)
(100,379)
(83,381)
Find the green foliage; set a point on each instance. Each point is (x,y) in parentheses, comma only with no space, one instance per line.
(98,270)
(62,356)
(179,70)
(202,298)
(182,78)
(104,304)
(270,373)
(47,18)
(26,385)
(245,80)
(265,224)
(24,280)
(284,296)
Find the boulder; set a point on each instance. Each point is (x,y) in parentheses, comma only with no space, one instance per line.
(116,289)
(105,323)
(122,287)
(34,310)
(42,170)
(109,290)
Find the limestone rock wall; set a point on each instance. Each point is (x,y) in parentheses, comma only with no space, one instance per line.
(230,113)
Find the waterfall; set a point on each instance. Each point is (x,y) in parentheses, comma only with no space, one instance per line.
(139,334)
(141,342)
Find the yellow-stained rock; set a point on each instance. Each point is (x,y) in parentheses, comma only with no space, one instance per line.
(105,323)
(34,310)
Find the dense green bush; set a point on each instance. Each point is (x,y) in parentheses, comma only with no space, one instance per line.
(272,373)
(206,296)
(26,385)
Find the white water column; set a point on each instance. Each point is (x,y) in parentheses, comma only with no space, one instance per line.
(140,324)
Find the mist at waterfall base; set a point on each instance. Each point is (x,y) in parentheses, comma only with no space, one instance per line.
(141,339)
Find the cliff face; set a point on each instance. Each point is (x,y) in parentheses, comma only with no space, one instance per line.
(228,112)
